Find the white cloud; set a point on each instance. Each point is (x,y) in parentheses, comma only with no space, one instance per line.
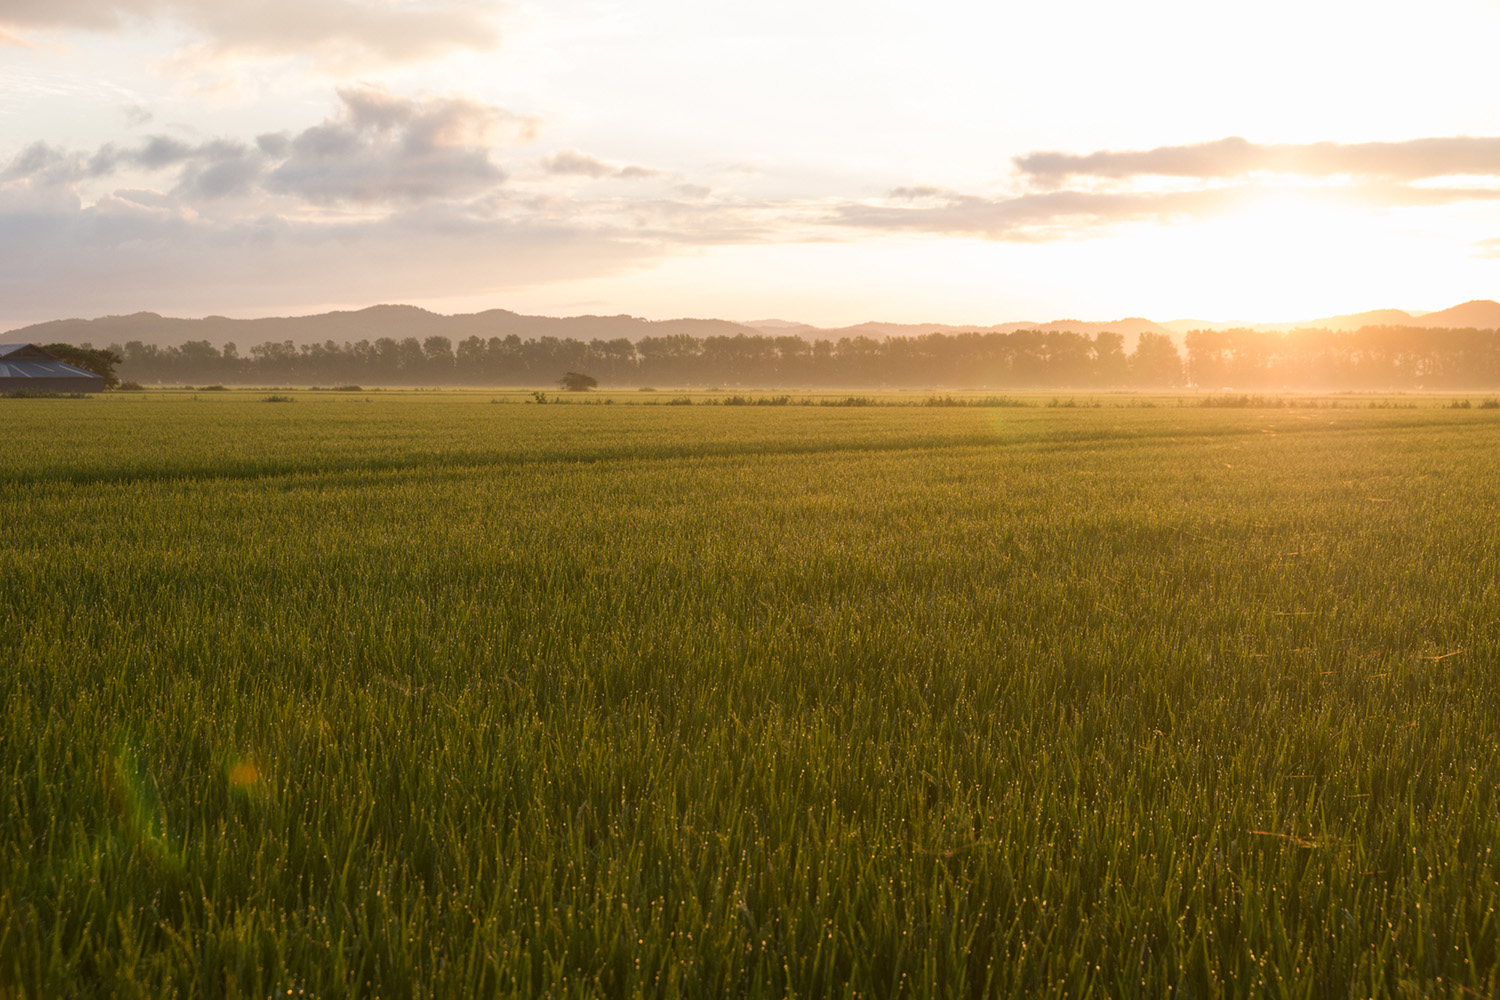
(380,149)
(1412,159)
(1072,195)
(339,32)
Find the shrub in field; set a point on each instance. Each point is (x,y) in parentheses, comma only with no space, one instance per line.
(757,400)
(37,394)
(1490,404)
(129,386)
(578,382)
(988,401)
(1244,402)
(278,399)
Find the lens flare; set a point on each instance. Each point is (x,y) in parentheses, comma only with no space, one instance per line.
(243,775)
(139,812)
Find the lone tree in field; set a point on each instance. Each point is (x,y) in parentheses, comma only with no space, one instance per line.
(577,382)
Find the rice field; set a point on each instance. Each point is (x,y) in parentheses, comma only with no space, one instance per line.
(447,695)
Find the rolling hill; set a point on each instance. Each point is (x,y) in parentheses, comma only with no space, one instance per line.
(401,321)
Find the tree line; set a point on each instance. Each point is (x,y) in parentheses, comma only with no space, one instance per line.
(1373,358)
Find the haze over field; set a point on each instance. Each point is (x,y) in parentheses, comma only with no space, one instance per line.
(828,164)
(409,321)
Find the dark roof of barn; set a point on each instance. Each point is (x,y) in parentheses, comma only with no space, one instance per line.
(30,361)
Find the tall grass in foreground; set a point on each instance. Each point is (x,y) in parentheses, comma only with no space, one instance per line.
(426,697)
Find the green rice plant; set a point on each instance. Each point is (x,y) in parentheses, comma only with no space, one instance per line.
(428,697)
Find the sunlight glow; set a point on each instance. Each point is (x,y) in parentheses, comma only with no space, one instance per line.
(1294,254)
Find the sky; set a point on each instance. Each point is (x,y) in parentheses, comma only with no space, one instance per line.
(825,161)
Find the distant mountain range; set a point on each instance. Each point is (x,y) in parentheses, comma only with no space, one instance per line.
(409,321)
(1478,314)
(365,324)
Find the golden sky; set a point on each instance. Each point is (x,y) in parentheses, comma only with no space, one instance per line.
(830,162)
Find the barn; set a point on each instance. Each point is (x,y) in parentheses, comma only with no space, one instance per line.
(28,368)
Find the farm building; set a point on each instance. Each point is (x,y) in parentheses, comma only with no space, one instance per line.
(27,367)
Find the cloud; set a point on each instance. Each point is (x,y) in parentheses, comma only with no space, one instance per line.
(23,88)
(1072,195)
(384,148)
(43,165)
(380,149)
(133,251)
(136,115)
(396,196)
(341,32)
(1028,217)
(162,151)
(572,163)
(1062,196)
(390,196)
(40,179)
(1414,159)
(221,170)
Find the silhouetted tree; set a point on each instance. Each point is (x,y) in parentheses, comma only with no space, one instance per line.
(1373,358)
(1156,363)
(100,361)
